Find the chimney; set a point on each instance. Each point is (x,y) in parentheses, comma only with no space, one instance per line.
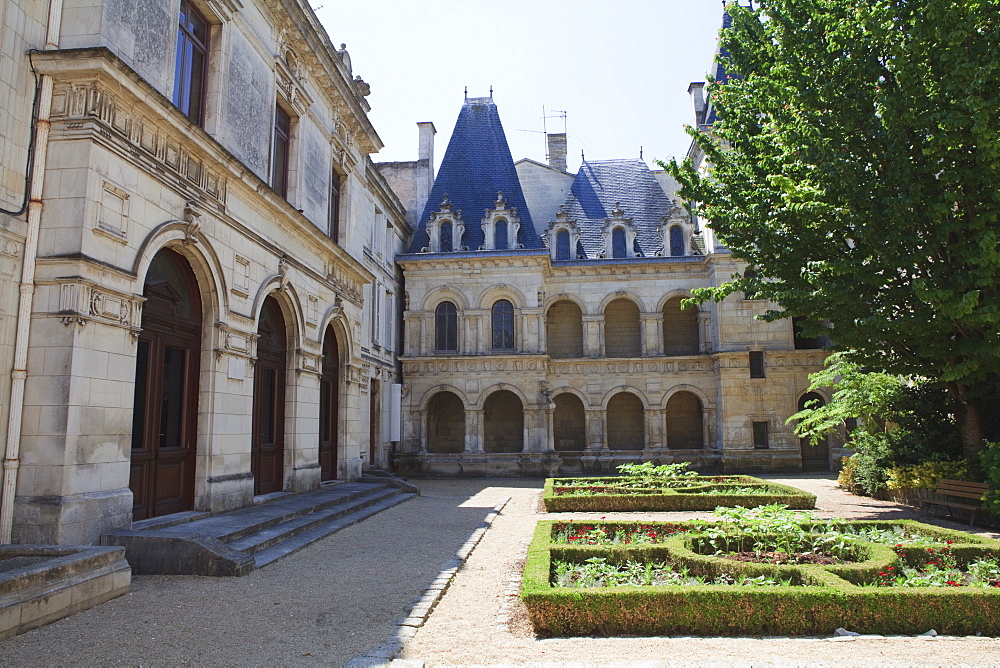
(425,150)
(557,150)
(697,92)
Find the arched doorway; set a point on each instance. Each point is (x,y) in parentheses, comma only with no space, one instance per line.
(445,424)
(684,423)
(329,407)
(569,423)
(165,415)
(267,445)
(503,423)
(815,458)
(626,420)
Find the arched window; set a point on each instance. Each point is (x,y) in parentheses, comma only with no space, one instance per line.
(446,243)
(684,422)
(564,330)
(503,325)
(445,424)
(622,334)
(680,329)
(500,235)
(618,243)
(676,241)
(446,328)
(562,245)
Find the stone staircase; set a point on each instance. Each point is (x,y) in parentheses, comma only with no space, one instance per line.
(236,542)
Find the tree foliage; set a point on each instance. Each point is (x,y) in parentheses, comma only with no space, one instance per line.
(856,168)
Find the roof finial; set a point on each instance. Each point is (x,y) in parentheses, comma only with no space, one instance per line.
(466,92)
(491,91)
(582,159)
(640,153)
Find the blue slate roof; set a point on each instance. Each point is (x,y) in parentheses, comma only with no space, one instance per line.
(476,166)
(719,73)
(599,185)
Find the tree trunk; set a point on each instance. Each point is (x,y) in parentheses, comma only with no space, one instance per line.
(969,421)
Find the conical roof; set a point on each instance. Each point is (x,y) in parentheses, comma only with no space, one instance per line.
(476,166)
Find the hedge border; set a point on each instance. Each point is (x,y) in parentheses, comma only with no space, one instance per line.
(830,597)
(677,499)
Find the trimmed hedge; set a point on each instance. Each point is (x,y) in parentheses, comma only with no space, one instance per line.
(701,493)
(821,599)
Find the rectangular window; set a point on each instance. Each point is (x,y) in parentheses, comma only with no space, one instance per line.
(335,207)
(192,63)
(756,364)
(760,435)
(280,150)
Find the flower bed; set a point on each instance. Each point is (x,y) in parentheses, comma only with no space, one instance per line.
(649,494)
(680,578)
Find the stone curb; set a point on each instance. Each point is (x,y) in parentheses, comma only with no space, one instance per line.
(422,607)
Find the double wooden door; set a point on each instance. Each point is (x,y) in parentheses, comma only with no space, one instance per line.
(165,409)
(329,409)
(267,446)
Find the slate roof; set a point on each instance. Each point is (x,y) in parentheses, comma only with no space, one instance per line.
(476,165)
(719,73)
(599,185)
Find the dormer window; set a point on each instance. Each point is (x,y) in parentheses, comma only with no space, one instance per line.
(500,226)
(676,241)
(445,229)
(563,237)
(619,235)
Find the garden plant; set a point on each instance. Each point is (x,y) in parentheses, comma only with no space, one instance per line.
(786,572)
(667,487)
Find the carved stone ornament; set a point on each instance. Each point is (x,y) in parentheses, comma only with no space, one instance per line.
(192,216)
(285,279)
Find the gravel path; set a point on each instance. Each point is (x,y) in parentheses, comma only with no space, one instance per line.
(477,623)
(341,597)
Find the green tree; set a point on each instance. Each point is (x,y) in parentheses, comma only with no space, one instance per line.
(856,167)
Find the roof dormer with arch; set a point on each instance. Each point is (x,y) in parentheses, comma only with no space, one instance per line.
(445,216)
(493,218)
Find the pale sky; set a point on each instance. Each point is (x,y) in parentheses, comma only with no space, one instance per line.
(619,68)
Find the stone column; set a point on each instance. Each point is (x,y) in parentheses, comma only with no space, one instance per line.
(705,344)
(596,441)
(531,341)
(652,334)
(474,430)
(593,341)
(656,433)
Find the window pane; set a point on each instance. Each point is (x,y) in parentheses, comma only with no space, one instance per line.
(503,325)
(618,243)
(760,437)
(756,364)
(446,244)
(335,206)
(500,238)
(562,245)
(191,65)
(279,159)
(446,327)
(676,242)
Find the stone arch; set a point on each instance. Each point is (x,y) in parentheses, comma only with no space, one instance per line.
(445,412)
(569,423)
(564,329)
(680,328)
(622,329)
(443,293)
(503,422)
(201,256)
(626,422)
(500,291)
(567,297)
(291,307)
(685,421)
(622,294)
(335,319)
(696,391)
(332,383)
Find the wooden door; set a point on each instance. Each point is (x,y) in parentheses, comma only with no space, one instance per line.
(267,447)
(329,397)
(815,458)
(165,409)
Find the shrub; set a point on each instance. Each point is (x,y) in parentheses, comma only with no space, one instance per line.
(926,475)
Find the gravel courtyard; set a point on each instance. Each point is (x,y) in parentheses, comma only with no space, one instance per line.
(341,597)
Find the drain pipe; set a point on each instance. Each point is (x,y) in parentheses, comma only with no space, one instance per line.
(11,459)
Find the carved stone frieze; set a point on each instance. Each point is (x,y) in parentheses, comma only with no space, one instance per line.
(82,301)
(77,103)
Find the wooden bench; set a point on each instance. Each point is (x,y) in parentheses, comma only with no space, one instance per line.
(961,489)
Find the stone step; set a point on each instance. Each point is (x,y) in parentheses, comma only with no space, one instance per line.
(323,530)
(266,537)
(236,542)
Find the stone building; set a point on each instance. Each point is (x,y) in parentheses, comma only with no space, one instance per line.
(208,289)
(545,331)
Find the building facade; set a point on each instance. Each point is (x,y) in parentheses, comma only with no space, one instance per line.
(212,317)
(545,329)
